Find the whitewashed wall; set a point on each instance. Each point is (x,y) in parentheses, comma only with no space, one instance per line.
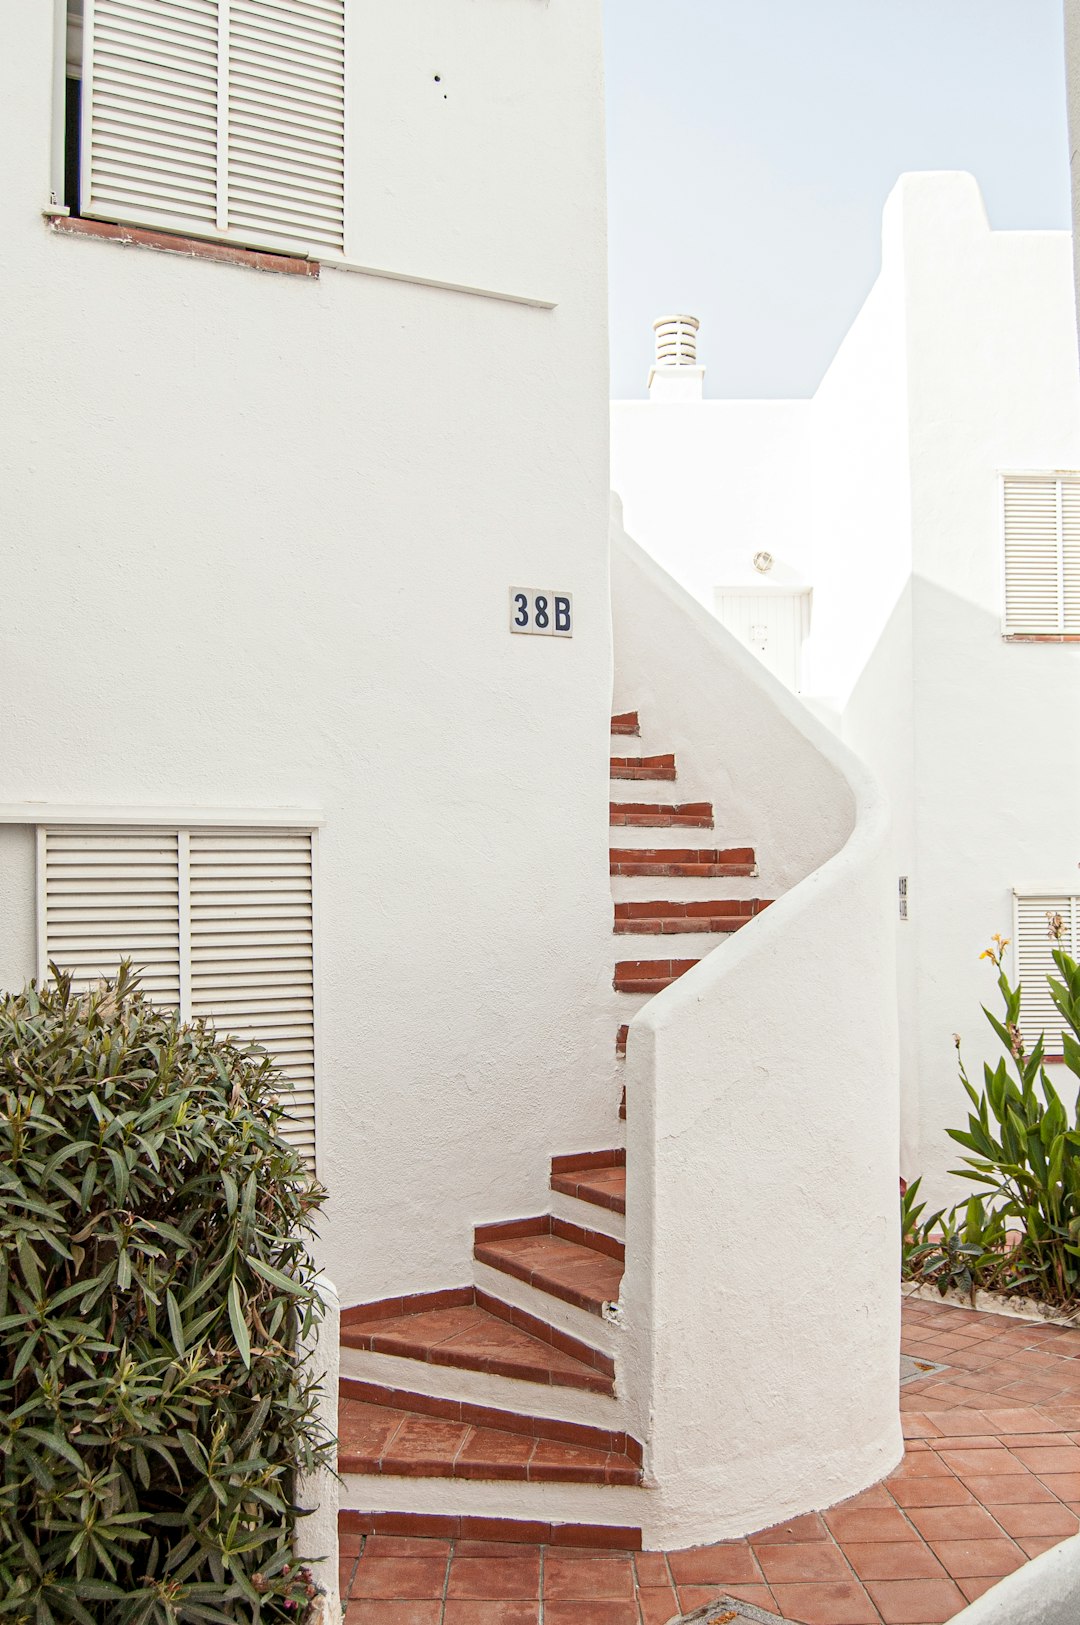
(961,364)
(762,1249)
(258,533)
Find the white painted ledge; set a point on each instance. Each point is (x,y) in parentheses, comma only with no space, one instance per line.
(59,812)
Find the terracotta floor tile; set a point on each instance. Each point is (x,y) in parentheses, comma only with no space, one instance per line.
(400,1579)
(843,1602)
(801,1561)
(488,1612)
(1024,1420)
(579,1578)
(931,1492)
(1058,1459)
(1008,1490)
(873,1523)
(1038,1518)
(877,1496)
(958,1421)
(919,1464)
(974,1587)
(658,1604)
(651,1569)
(955,1523)
(916,1602)
(892,1560)
(917,1425)
(490,1578)
(596,1612)
(963,1558)
(1066,1486)
(376,1611)
(985,1463)
(732,1563)
(808,1527)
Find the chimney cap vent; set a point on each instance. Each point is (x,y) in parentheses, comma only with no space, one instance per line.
(676,341)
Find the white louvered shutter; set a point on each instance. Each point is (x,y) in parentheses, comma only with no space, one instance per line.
(221,118)
(218,921)
(1042,554)
(1034,962)
(113,894)
(252,971)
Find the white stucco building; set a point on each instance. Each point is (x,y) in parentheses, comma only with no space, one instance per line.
(921,589)
(305,420)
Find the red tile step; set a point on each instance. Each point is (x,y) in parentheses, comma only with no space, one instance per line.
(470,1330)
(708,864)
(673,919)
(620,1047)
(625,723)
(500,1531)
(390,1432)
(643,767)
(582,1267)
(661,815)
(598,1177)
(649,975)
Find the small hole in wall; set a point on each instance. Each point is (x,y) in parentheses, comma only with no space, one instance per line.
(438,81)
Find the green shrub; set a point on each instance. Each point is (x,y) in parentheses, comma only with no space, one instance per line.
(155,1282)
(1025,1145)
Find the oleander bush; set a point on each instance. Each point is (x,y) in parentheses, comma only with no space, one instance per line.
(156,1302)
(1021,1233)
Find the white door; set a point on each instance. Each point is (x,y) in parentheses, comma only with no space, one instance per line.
(773,624)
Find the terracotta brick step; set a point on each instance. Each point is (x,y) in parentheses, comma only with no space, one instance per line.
(620,1043)
(470,1330)
(643,767)
(582,1267)
(501,1531)
(487,1416)
(649,975)
(400,1443)
(657,815)
(598,1177)
(673,919)
(710,863)
(625,723)
(622,1105)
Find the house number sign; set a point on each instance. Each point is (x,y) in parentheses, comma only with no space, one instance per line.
(542,612)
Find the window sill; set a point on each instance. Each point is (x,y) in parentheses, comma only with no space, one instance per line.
(190,247)
(1040,637)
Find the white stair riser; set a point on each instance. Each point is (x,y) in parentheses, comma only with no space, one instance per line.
(483,1388)
(668,944)
(587,1328)
(684,888)
(587,1214)
(612,1504)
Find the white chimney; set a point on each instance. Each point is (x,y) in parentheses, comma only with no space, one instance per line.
(676,375)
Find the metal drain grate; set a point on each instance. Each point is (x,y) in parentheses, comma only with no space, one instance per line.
(912,1370)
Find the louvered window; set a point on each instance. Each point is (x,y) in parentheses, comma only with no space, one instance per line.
(1042,555)
(220,922)
(1035,927)
(218,118)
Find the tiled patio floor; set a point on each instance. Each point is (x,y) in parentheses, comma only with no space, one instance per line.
(991,1477)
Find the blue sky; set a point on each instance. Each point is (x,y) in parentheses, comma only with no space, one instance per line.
(752,145)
